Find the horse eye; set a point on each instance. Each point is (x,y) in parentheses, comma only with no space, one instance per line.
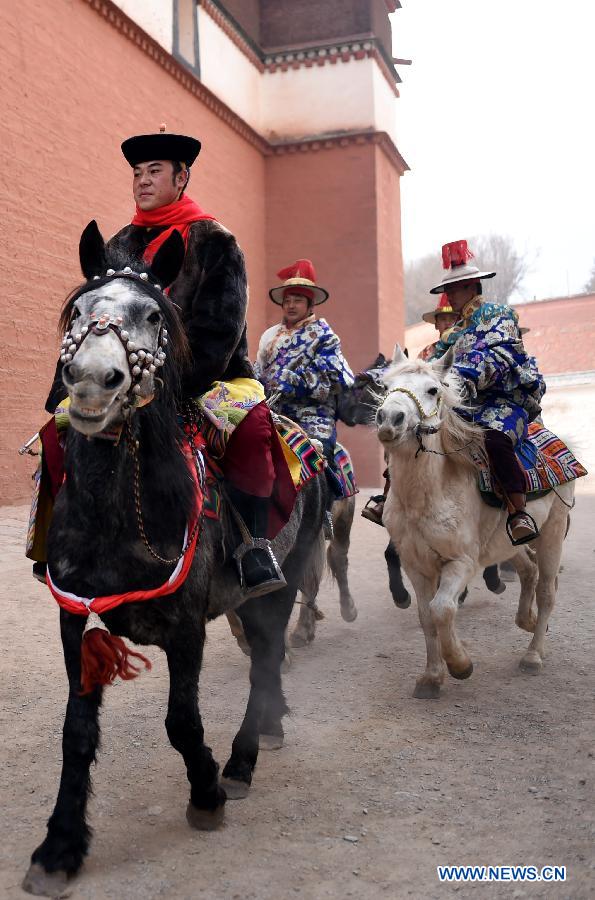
(75,313)
(154,318)
(433,391)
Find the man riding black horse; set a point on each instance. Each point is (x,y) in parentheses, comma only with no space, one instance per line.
(211,295)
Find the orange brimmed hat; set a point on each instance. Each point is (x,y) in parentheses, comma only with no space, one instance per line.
(455,259)
(298,278)
(443,307)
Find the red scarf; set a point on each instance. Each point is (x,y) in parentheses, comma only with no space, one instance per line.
(178,215)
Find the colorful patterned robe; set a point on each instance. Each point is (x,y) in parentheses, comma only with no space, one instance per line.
(502,384)
(306,364)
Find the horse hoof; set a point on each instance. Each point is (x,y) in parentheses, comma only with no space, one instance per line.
(426,690)
(499,589)
(235,790)
(461,675)
(45,884)
(270,741)
(349,613)
(531,663)
(298,640)
(403,602)
(205,819)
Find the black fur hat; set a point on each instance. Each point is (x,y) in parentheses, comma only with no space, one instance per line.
(176,147)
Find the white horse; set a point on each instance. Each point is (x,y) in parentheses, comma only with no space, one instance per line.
(443,530)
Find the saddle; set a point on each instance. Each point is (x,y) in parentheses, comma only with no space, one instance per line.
(545,460)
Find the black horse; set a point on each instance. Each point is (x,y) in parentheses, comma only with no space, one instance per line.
(358,406)
(118,526)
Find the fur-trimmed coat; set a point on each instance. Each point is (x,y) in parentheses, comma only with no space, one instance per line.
(211,291)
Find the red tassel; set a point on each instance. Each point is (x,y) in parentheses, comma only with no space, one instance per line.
(301,268)
(105,657)
(455,254)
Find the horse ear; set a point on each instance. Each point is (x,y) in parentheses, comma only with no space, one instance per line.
(398,356)
(168,260)
(443,365)
(92,251)
(380,362)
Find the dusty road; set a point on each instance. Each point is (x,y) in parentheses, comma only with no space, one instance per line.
(498,771)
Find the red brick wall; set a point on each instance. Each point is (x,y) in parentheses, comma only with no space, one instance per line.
(340,208)
(73,88)
(562,333)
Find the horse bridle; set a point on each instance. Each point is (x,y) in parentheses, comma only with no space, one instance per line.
(420,428)
(142,363)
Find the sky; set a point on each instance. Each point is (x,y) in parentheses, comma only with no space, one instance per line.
(496,120)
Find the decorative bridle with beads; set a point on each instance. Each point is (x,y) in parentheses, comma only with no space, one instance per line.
(142,363)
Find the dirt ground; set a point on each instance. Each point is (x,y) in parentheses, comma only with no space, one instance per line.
(498,771)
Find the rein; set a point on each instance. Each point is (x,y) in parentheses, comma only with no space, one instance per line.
(191,421)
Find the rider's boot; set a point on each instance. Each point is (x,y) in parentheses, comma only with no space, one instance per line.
(374,508)
(520,525)
(258,569)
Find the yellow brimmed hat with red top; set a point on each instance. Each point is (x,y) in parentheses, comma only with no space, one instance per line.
(299,278)
(443,307)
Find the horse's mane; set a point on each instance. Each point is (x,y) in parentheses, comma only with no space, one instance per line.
(462,440)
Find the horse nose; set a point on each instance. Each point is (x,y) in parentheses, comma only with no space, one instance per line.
(380,416)
(71,373)
(113,378)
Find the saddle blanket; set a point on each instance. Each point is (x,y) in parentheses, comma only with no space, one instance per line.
(546,462)
(311,461)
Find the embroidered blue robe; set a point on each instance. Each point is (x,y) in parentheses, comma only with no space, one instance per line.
(502,383)
(306,365)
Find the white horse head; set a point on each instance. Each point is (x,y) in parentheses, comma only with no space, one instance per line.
(418,397)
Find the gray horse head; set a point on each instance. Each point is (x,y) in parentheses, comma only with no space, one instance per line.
(117,329)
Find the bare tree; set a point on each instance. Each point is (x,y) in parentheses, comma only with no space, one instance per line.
(492,253)
(589,287)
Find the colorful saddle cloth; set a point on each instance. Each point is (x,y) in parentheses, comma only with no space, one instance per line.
(311,461)
(295,459)
(302,458)
(546,462)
